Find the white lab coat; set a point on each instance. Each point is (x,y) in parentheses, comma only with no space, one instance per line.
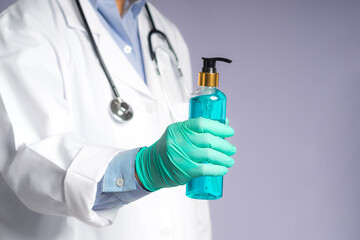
(57,137)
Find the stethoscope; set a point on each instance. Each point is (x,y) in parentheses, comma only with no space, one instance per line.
(119,109)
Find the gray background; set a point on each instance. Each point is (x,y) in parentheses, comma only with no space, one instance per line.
(293,99)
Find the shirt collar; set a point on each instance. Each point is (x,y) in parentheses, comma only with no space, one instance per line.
(94,3)
(134,5)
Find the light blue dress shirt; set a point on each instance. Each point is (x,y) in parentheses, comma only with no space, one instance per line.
(119,185)
(124,30)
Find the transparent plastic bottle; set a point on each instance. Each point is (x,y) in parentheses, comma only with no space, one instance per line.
(207,102)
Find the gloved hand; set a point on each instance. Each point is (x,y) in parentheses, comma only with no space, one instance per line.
(186,150)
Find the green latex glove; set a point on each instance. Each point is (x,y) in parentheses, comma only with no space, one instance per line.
(186,150)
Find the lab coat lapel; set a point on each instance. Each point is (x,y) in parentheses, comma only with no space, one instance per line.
(153,81)
(72,15)
(115,60)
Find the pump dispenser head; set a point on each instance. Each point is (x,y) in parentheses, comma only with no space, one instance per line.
(208,76)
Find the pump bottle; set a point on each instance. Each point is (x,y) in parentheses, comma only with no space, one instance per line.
(208,102)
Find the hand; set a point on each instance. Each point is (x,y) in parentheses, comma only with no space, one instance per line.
(186,150)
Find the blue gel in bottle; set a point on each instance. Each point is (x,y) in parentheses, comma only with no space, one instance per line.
(208,102)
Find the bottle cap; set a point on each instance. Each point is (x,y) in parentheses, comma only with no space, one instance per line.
(208,76)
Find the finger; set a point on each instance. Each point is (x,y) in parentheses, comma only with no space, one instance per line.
(208,170)
(207,140)
(208,155)
(227,121)
(203,125)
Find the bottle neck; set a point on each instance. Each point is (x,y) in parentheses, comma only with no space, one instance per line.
(204,90)
(206,87)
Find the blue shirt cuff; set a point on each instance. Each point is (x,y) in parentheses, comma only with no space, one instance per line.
(119,185)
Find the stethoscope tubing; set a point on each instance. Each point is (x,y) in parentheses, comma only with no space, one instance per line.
(97,52)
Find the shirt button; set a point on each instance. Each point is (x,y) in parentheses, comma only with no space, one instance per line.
(119,182)
(127,49)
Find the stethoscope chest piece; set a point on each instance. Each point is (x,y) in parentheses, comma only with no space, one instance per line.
(120,110)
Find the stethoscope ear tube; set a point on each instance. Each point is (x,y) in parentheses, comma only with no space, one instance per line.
(154,31)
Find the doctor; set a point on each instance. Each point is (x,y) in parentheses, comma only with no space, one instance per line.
(67,165)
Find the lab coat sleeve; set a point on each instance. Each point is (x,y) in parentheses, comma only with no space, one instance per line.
(51,169)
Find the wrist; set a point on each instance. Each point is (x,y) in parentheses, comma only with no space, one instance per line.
(138,180)
(142,169)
